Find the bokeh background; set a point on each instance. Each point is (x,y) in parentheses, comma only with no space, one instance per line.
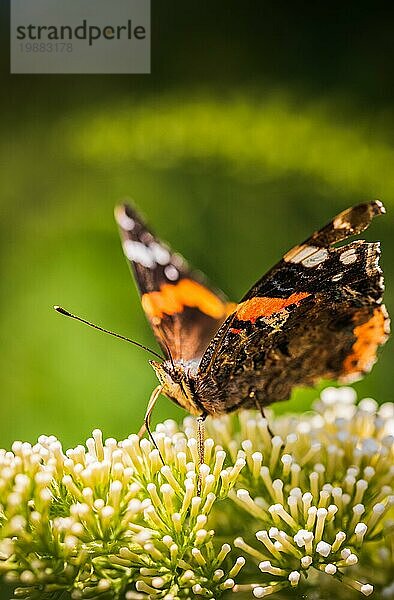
(259,122)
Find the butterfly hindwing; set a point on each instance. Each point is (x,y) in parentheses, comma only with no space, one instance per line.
(182,309)
(316,314)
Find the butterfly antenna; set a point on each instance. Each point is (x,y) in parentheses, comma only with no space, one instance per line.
(66,313)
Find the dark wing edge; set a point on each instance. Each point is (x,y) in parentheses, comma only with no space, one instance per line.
(349,222)
(183,310)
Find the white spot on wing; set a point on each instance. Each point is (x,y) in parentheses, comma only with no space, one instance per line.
(124,220)
(139,253)
(337,277)
(303,253)
(171,273)
(316,258)
(309,256)
(160,254)
(340,222)
(348,257)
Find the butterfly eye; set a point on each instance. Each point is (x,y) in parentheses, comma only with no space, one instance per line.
(176,376)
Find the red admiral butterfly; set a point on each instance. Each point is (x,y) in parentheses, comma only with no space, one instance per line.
(316,314)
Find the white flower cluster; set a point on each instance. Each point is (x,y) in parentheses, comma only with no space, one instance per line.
(319,490)
(308,508)
(110,519)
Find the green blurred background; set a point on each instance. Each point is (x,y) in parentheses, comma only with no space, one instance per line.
(259,122)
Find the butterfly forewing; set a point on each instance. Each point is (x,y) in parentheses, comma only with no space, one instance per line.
(183,310)
(316,314)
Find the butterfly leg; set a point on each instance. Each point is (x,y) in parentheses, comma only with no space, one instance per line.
(200,441)
(146,426)
(261,409)
(201,436)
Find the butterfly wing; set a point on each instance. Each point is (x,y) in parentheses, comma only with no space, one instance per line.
(316,314)
(183,310)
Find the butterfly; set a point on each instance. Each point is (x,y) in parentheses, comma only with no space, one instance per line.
(317,314)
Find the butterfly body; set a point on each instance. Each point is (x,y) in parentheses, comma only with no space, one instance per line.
(317,314)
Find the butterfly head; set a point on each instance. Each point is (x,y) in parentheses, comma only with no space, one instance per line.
(176,382)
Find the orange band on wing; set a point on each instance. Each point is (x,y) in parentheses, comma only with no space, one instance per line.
(252,309)
(172,298)
(369,336)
